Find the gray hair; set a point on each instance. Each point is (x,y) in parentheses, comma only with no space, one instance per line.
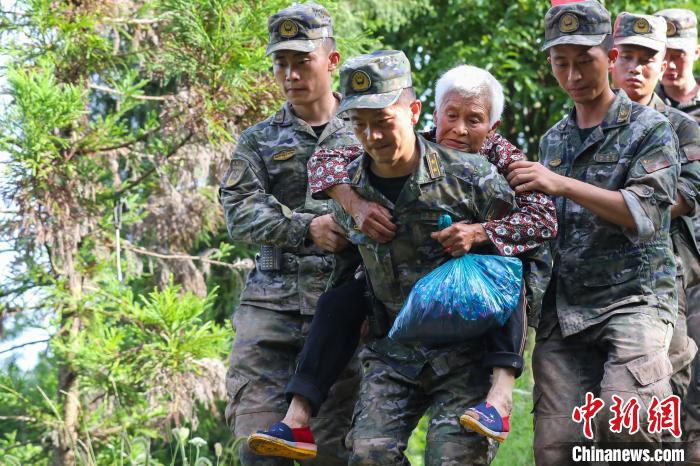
(471,81)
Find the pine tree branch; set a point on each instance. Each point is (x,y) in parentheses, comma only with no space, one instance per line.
(35,342)
(239,264)
(109,90)
(149,172)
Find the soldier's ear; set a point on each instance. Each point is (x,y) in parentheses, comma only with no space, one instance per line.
(664,63)
(415,107)
(613,53)
(333,60)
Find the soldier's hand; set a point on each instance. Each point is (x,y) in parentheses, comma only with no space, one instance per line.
(327,234)
(373,220)
(459,238)
(532,176)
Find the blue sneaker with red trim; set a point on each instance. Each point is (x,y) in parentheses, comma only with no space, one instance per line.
(283,441)
(485,420)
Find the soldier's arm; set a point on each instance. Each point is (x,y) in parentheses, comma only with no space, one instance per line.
(689,179)
(535,220)
(652,181)
(252,214)
(639,206)
(491,198)
(328,176)
(347,260)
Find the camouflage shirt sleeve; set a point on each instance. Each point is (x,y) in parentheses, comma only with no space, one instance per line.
(252,215)
(650,188)
(329,167)
(491,194)
(689,180)
(535,220)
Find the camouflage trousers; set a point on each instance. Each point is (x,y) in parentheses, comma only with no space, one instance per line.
(683,348)
(691,425)
(625,355)
(391,404)
(263,358)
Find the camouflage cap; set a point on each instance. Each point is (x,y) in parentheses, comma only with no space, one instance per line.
(643,30)
(300,27)
(579,23)
(374,80)
(681,28)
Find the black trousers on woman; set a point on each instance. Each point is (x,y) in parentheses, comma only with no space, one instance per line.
(335,333)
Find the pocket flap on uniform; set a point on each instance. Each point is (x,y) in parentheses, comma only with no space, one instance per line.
(613,272)
(235,383)
(651,368)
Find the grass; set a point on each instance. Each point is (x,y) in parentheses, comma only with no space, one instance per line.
(517,449)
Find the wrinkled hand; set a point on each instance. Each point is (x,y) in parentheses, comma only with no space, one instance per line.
(531,176)
(373,220)
(459,238)
(327,234)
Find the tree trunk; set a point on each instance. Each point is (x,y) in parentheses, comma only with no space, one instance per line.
(66,446)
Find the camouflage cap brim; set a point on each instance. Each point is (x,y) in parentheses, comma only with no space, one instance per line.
(296,45)
(575,39)
(642,42)
(681,43)
(369,101)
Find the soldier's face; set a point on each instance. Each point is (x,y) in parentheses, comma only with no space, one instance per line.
(580,70)
(304,77)
(463,123)
(636,70)
(680,66)
(385,133)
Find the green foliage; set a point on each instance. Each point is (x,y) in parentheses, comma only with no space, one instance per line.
(504,38)
(138,105)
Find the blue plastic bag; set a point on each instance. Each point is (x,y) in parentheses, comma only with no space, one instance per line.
(461,299)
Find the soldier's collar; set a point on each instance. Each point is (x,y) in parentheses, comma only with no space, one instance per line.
(674,103)
(618,114)
(430,167)
(657,104)
(285,116)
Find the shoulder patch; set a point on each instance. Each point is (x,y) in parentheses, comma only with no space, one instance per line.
(234,173)
(692,152)
(434,165)
(284,155)
(654,164)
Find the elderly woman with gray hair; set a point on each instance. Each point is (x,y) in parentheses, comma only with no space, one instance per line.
(469,104)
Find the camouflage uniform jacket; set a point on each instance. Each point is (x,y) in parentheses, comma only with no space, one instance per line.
(692,107)
(599,267)
(683,233)
(534,223)
(465,186)
(266,202)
